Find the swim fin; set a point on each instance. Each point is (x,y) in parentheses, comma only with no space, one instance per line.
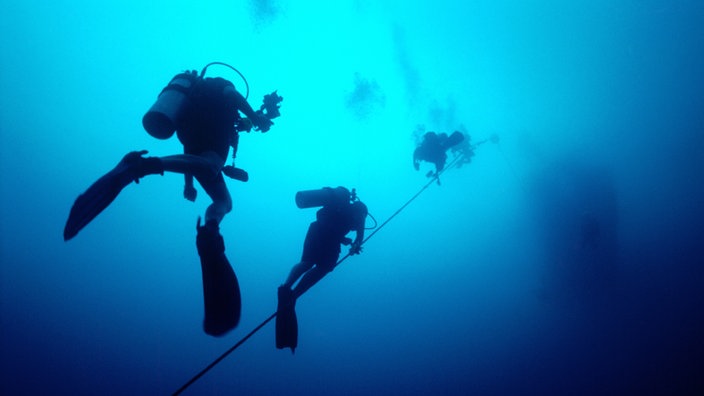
(286,321)
(101,193)
(221,290)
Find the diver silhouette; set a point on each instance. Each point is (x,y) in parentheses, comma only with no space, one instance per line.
(433,148)
(340,214)
(204,113)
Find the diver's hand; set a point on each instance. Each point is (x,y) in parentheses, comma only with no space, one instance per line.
(261,123)
(190,193)
(244,125)
(356,248)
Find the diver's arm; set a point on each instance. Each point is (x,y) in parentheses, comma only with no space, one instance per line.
(242,105)
(240,102)
(356,247)
(360,235)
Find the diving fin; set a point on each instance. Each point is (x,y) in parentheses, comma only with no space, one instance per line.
(286,321)
(101,193)
(221,290)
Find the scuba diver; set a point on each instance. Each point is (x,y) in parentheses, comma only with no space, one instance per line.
(204,113)
(434,148)
(341,213)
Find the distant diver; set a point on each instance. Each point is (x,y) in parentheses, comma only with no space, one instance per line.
(205,115)
(341,213)
(433,148)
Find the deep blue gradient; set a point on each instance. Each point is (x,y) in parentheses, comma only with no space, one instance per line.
(494,283)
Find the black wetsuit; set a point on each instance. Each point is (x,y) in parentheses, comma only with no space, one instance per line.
(209,123)
(322,243)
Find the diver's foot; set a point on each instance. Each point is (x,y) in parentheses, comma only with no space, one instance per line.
(285,296)
(134,166)
(209,226)
(208,239)
(285,291)
(212,225)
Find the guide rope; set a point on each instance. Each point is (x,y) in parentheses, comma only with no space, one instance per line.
(434,179)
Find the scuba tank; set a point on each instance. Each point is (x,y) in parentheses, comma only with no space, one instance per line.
(456,138)
(325,196)
(162,118)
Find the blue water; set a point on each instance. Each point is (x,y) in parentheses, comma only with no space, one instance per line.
(486,285)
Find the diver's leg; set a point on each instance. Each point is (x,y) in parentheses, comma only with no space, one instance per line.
(439,166)
(217,191)
(296,272)
(205,168)
(309,279)
(201,166)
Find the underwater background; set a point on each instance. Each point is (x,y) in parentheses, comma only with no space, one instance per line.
(488,284)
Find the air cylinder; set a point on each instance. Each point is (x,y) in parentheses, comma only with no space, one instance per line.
(325,196)
(162,118)
(456,138)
